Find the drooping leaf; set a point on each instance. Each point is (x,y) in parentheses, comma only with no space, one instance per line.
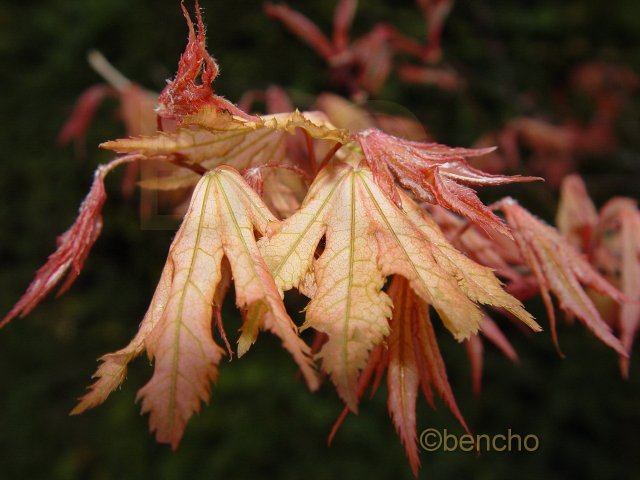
(113,369)
(73,247)
(367,238)
(75,128)
(414,360)
(475,350)
(177,330)
(434,173)
(559,268)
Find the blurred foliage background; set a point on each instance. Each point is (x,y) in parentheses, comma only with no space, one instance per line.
(262,422)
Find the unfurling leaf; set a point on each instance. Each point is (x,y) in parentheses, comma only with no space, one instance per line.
(434,174)
(177,331)
(368,238)
(184,94)
(558,267)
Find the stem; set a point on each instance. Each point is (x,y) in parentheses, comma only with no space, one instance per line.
(107,71)
(312,154)
(330,155)
(181,161)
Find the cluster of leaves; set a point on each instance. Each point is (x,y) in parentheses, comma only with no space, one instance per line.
(375,229)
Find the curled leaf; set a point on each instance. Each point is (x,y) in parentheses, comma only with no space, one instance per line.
(191,88)
(177,330)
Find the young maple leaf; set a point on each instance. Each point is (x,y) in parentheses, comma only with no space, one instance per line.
(354,118)
(619,220)
(576,217)
(558,267)
(475,350)
(191,89)
(491,252)
(137,105)
(412,360)
(211,137)
(362,65)
(73,247)
(434,173)
(435,12)
(367,238)
(630,280)
(176,331)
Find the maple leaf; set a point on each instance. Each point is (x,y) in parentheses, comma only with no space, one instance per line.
(630,280)
(576,216)
(353,117)
(434,12)
(176,331)
(211,137)
(137,105)
(558,267)
(492,252)
(433,172)
(475,350)
(618,253)
(361,65)
(73,246)
(414,360)
(191,89)
(367,238)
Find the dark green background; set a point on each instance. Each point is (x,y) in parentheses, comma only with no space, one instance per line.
(262,422)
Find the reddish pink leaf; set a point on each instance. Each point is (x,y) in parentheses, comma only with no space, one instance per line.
(342,20)
(475,350)
(618,254)
(630,310)
(558,267)
(475,354)
(431,171)
(191,88)
(301,26)
(75,128)
(411,359)
(576,216)
(492,332)
(74,246)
